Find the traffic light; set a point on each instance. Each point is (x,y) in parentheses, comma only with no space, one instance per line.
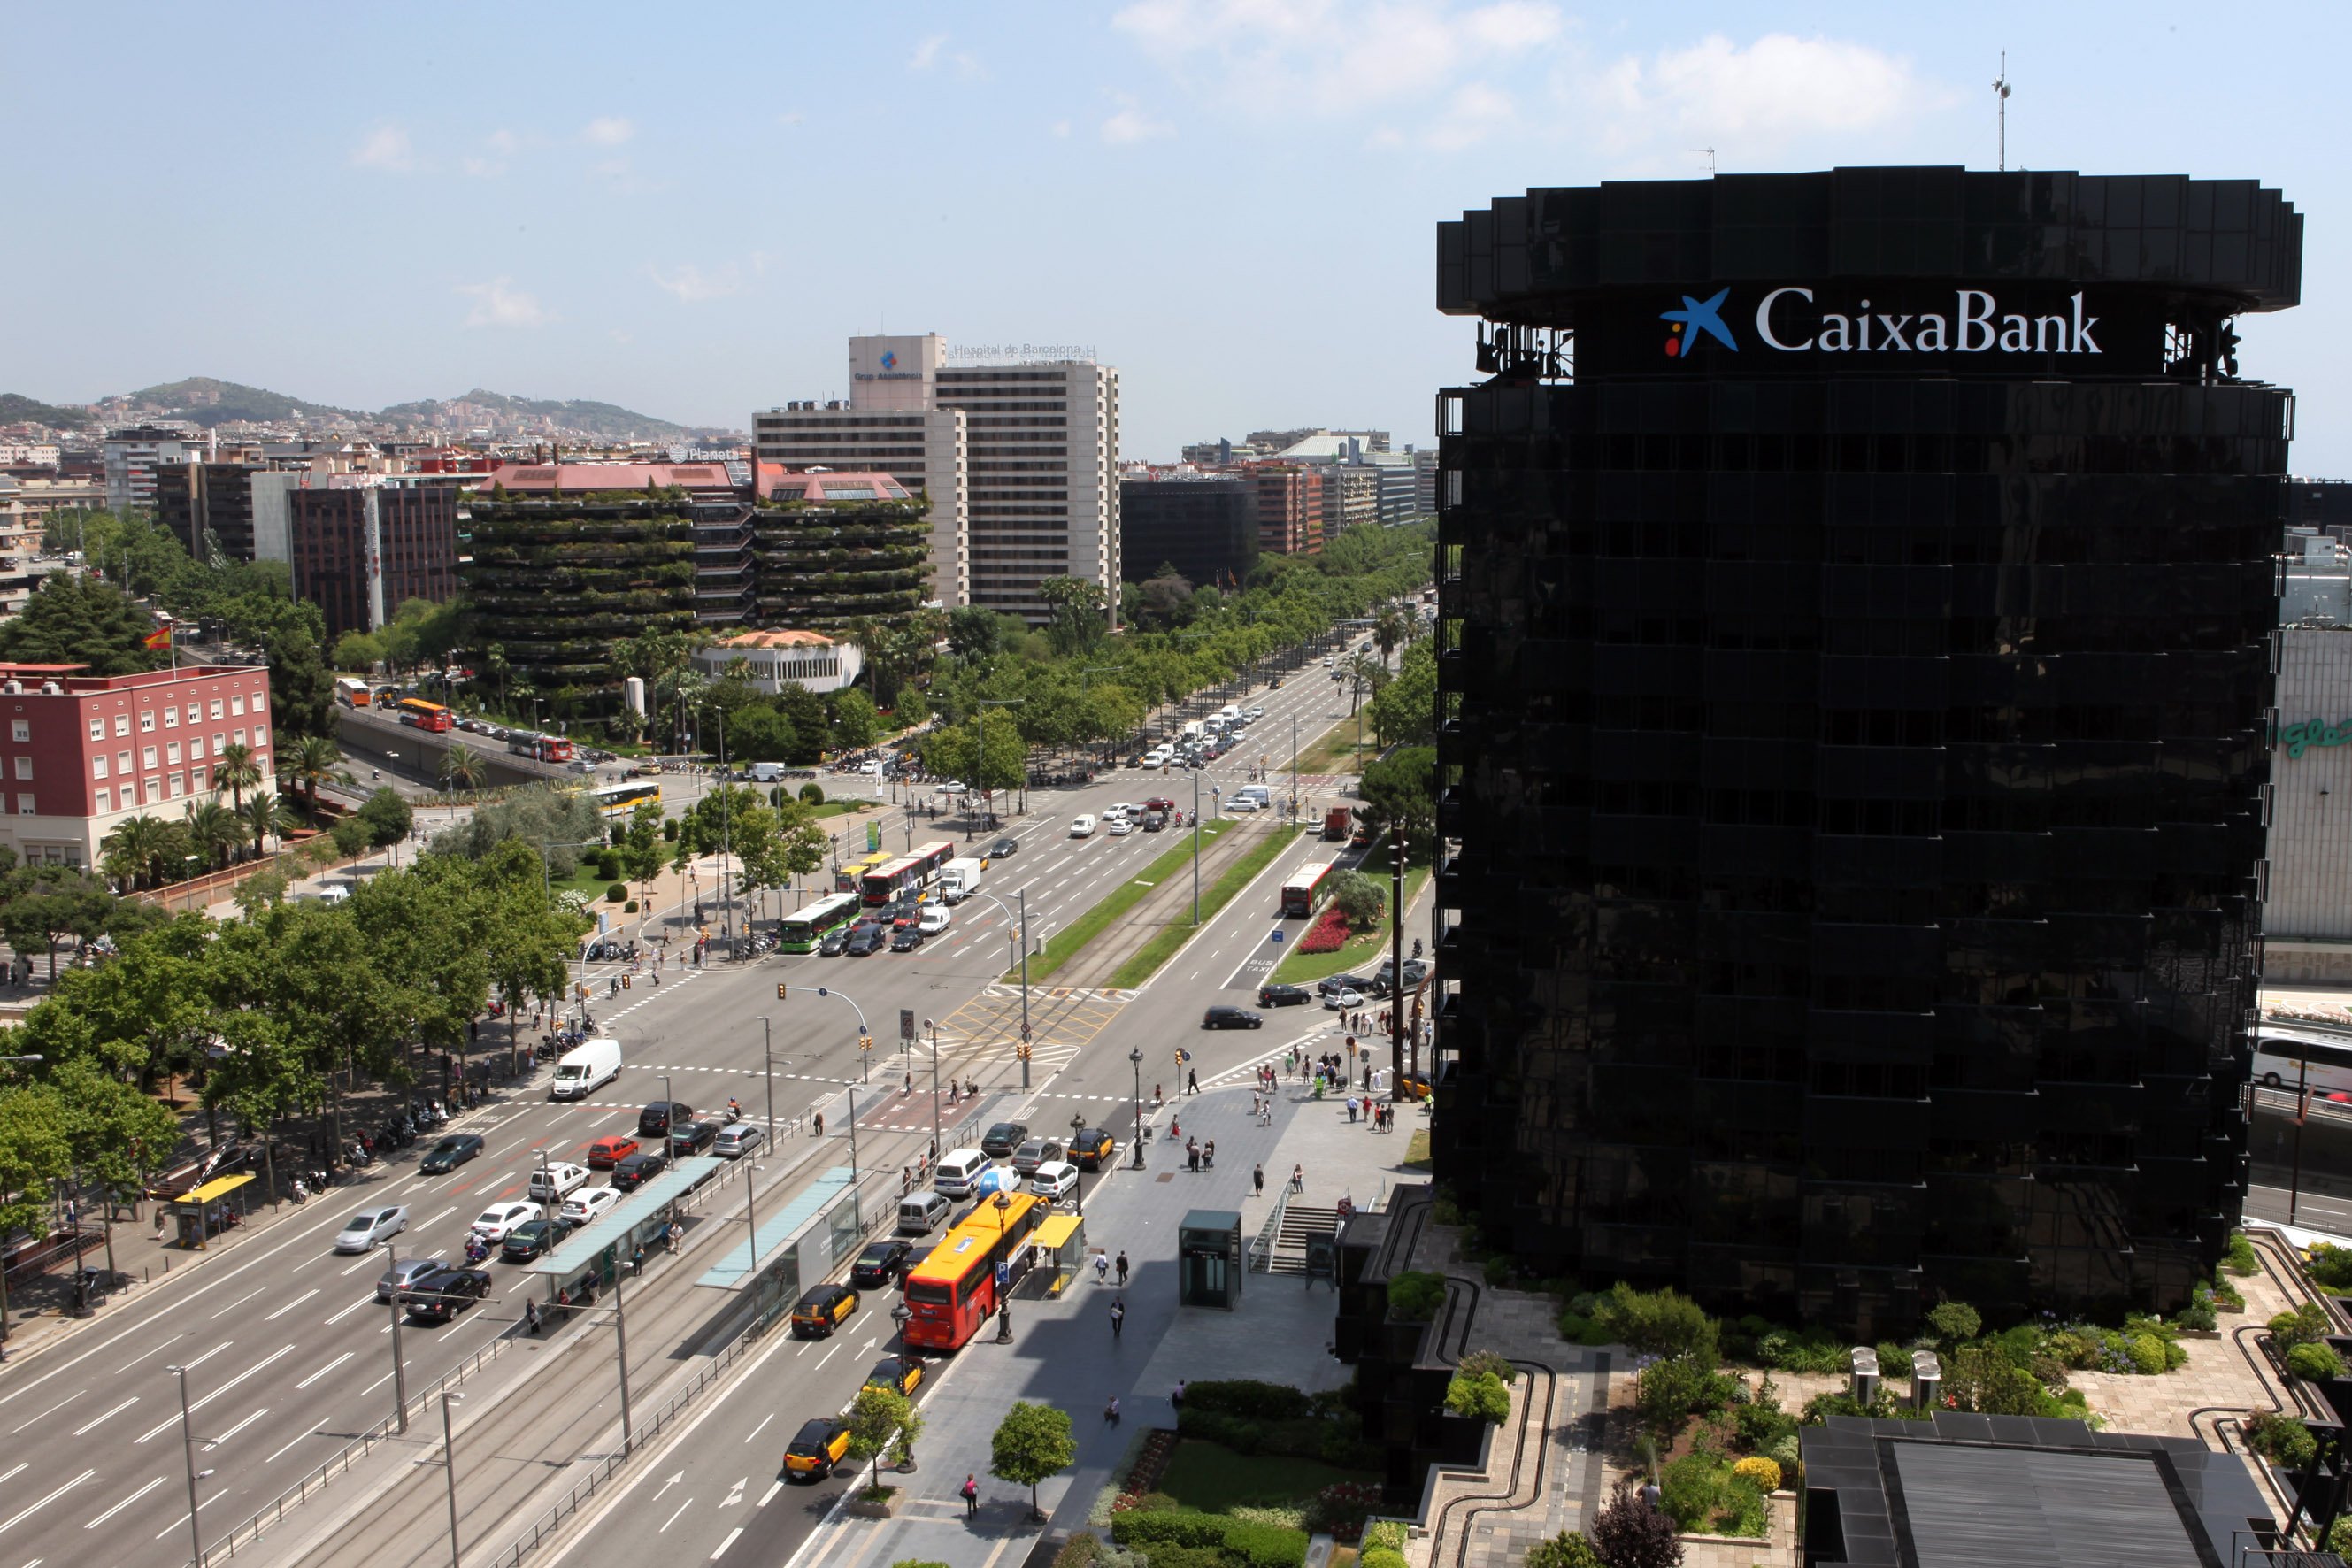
(1024,1052)
(865,1041)
(780,990)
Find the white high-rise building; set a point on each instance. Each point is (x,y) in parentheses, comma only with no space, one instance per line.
(892,425)
(1044,437)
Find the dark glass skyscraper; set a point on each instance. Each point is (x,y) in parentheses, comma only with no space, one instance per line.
(1857,594)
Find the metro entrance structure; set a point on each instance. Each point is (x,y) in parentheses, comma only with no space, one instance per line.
(1855,598)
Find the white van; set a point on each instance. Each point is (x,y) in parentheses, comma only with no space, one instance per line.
(921,1213)
(1082,825)
(1261,797)
(960,878)
(764,773)
(586,1069)
(554,1182)
(956,1172)
(1192,729)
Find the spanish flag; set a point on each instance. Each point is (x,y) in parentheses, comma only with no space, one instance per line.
(159,637)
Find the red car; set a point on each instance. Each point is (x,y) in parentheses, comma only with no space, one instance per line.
(606,1153)
(1158,803)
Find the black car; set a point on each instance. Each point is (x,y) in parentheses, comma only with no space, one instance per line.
(1003,1138)
(638,1169)
(449,1154)
(1153,821)
(1005,849)
(443,1294)
(692,1138)
(903,910)
(906,939)
(1232,1018)
(866,940)
(833,943)
(882,1263)
(655,1119)
(533,1239)
(1332,985)
(1284,996)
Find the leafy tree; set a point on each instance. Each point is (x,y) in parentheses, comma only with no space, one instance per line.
(855,725)
(1954,1321)
(73,619)
(876,1417)
(952,752)
(463,768)
(236,771)
(1365,674)
(1403,788)
(1405,710)
(974,632)
(1628,1533)
(1479,1396)
(1359,897)
(641,847)
(1074,613)
(40,904)
(1662,1322)
(1569,1549)
(760,733)
(33,1152)
(350,835)
(1162,601)
(810,721)
(1032,1443)
(261,890)
(265,816)
(388,816)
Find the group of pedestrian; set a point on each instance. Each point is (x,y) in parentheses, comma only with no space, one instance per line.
(1376,1116)
(1200,1156)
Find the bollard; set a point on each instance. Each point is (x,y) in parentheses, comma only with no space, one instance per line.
(1863,1382)
(1927,1380)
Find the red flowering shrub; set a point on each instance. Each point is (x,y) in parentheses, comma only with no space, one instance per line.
(1327,934)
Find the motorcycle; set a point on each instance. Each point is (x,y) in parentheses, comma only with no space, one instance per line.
(301,1193)
(477,1248)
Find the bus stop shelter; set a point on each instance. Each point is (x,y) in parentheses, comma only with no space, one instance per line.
(1060,1245)
(809,1232)
(207,1211)
(590,1257)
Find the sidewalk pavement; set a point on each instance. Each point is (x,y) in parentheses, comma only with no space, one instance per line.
(1064,1354)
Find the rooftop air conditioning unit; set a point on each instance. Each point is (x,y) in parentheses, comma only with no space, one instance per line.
(51,689)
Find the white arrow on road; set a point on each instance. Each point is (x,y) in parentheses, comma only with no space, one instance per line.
(669,1483)
(735,1493)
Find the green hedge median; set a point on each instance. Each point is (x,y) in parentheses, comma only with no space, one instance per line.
(1064,944)
(1172,938)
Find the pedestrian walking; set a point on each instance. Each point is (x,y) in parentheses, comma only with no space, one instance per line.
(1176,1398)
(1257,1179)
(1298,1178)
(1117,1317)
(1102,1269)
(1208,1155)
(1110,1411)
(971,1495)
(1192,1083)
(1122,1270)
(530,1317)
(1351,1110)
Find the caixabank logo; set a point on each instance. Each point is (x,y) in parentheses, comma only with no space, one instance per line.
(1790,320)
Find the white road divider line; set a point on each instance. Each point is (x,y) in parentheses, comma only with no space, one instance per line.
(325,1370)
(126,1502)
(289,1306)
(22,1514)
(95,1420)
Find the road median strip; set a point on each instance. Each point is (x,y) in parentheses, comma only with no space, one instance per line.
(1066,943)
(1172,938)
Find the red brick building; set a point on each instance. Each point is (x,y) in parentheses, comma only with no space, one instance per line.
(82,752)
(1289,502)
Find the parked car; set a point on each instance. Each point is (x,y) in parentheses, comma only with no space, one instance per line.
(610,1151)
(1232,1018)
(535,1239)
(493,1224)
(449,1154)
(638,1169)
(1273,995)
(1000,1140)
(693,1138)
(655,1119)
(900,1374)
(882,1263)
(1036,1151)
(1055,1181)
(367,1227)
(445,1292)
(822,1309)
(403,1273)
(588,1204)
(1093,1147)
(817,1447)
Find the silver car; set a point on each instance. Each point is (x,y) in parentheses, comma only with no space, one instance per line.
(367,1227)
(403,1275)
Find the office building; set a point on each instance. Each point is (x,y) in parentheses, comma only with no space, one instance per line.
(363,544)
(1288,500)
(82,752)
(771,660)
(234,510)
(1044,439)
(892,425)
(1855,662)
(131,456)
(1205,526)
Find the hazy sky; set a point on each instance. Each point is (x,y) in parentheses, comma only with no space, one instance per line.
(686,210)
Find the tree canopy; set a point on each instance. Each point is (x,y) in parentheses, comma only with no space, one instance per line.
(80,620)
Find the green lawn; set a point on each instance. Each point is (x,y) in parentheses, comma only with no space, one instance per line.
(1363,952)
(1063,944)
(1172,939)
(1214,1480)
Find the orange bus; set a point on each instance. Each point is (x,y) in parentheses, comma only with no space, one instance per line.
(952,1291)
(423,715)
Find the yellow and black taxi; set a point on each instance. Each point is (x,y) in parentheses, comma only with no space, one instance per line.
(822,1310)
(900,1374)
(1092,1148)
(816,1448)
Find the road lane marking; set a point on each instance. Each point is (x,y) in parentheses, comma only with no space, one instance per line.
(258,1367)
(367,1300)
(44,1415)
(773,1487)
(273,1457)
(824,1358)
(666,1523)
(380,1381)
(95,1420)
(192,1365)
(12,1474)
(763,1425)
(444,1214)
(240,1301)
(126,1502)
(14,1519)
(184,1518)
(238,1427)
(726,1543)
(289,1306)
(365,1258)
(325,1370)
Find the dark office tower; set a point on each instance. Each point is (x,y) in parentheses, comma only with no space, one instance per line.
(1856,595)
(1205,528)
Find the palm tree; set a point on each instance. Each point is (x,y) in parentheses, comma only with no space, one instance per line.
(261,816)
(1388,630)
(462,767)
(126,853)
(311,762)
(1364,674)
(216,831)
(235,771)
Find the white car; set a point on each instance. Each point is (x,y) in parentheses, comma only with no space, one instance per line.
(1120,827)
(933,918)
(1242,803)
(948,787)
(1255,714)
(497,1221)
(1343,999)
(1082,825)
(555,1180)
(1054,1181)
(364,1229)
(1117,813)
(588,1204)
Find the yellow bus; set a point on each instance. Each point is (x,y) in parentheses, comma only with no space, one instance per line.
(849,877)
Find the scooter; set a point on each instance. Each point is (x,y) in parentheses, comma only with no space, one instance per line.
(476,1249)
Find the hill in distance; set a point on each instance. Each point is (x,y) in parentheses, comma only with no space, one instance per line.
(209,403)
(15,408)
(606,420)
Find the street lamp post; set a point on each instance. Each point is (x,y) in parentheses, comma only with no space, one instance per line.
(1078,1125)
(188,1453)
(1021,897)
(449,1468)
(399,1372)
(901,1314)
(621,1349)
(1196,847)
(768,1071)
(1003,1302)
(1135,1058)
(933,1030)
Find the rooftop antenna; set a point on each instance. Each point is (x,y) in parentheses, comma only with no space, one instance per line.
(2001,99)
(1710,160)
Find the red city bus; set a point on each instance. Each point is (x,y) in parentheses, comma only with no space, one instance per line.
(952,1291)
(423,715)
(1306,888)
(890,878)
(542,748)
(932,859)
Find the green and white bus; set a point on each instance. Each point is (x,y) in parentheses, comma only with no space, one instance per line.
(800,931)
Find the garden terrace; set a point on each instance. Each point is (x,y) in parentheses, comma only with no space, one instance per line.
(822,566)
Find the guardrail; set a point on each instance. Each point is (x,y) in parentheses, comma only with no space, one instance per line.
(1261,1248)
(315,1479)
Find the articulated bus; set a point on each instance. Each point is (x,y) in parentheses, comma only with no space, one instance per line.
(423,715)
(890,878)
(1306,888)
(953,1290)
(800,931)
(619,801)
(849,877)
(933,857)
(541,748)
